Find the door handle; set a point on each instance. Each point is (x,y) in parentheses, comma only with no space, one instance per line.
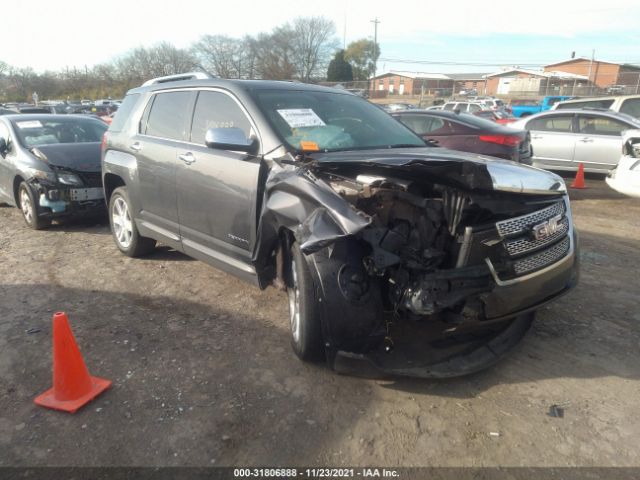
(136,147)
(586,140)
(187,158)
(536,137)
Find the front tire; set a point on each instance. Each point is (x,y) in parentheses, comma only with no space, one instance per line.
(29,207)
(123,227)
(304,317)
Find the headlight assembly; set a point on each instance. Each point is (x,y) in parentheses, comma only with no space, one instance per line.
(41,174)
(69,179)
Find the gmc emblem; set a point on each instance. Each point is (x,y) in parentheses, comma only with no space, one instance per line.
(547,228)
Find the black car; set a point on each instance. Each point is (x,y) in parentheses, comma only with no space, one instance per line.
(469,133)
(416,260)
(50,166)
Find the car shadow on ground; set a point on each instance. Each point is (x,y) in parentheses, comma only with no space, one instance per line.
(163,252)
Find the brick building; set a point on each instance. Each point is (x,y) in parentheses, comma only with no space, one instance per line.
(468,81)
(401,83)
(519,81)
(600,73)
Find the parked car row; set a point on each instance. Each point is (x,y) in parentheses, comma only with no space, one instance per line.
(394,255)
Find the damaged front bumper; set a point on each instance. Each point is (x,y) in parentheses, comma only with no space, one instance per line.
(55,201)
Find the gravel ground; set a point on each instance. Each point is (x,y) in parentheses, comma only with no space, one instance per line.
(203,373)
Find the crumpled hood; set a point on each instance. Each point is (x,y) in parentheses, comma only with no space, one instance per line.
(82,157)
(467,170)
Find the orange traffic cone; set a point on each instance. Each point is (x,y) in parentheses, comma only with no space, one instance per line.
(73,387)
(578,182)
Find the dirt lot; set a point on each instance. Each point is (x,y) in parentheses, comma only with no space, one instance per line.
(203,373)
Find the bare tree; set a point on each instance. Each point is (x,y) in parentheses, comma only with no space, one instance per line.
(313,44)
(221,55)
(275,54)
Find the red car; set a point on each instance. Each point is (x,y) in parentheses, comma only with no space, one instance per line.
(468,133)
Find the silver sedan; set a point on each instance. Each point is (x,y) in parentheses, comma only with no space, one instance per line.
(562,139)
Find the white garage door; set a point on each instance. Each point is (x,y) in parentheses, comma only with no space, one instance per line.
(503,85)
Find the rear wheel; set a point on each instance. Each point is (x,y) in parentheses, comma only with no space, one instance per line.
(123,228)
(304,318)
(29,207)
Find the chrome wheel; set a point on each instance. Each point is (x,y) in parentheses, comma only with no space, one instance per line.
(294,304)
(26,206)
(121,220)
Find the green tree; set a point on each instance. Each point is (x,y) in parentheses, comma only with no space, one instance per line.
(339,69)
(362,55)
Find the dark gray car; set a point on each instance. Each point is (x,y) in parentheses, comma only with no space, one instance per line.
(50,166)
(415,260)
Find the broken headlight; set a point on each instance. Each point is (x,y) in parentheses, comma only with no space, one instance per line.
(69,179)
(40,174)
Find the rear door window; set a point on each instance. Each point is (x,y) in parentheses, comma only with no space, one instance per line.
(631,106)
(553,123)
(421,124)
(593,125)
(168,116)
(440,126)
(217,110)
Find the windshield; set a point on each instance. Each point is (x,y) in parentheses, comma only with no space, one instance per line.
(47,131)
(323,121)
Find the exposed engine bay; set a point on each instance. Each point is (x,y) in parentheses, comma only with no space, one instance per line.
(428,243)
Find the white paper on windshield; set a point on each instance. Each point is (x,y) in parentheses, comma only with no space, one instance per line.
(29,124)
(301,117)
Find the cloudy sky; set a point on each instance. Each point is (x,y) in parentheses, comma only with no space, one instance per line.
(45,34)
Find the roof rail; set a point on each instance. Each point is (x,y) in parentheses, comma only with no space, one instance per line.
(178,77)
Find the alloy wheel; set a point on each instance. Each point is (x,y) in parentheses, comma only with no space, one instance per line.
(294,303)
(26,206)
(121,220)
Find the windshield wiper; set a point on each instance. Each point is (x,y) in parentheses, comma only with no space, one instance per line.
(404,145)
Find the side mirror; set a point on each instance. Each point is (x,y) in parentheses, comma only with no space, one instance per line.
(230,139)
(3,146)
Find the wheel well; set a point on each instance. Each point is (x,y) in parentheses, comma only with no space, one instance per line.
(111,182)
(16,186)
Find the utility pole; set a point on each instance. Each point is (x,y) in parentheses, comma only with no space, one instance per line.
(593,54)
(344,33)
(375,45)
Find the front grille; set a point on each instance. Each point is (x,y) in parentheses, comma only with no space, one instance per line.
(522,245)
(518,225)
(542,259)
(523,253)
(91,179)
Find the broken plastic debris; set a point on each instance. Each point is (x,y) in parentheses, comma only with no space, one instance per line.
(494,434)
(556,411)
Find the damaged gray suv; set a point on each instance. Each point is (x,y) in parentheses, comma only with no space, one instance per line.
(396,257)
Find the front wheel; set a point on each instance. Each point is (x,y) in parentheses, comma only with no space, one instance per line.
(123,228)
(304,318)
(29,207)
